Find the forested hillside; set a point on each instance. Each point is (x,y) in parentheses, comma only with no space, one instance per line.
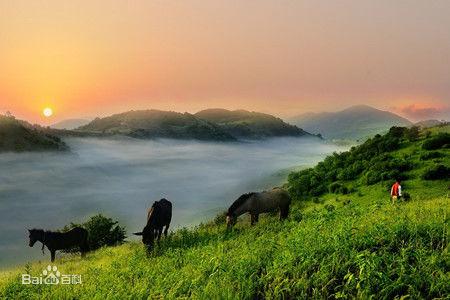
(18,136)
(250,125)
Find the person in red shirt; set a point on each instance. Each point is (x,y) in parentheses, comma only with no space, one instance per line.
(396,191)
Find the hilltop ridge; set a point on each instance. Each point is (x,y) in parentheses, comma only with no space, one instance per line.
(210,124)
(246,124)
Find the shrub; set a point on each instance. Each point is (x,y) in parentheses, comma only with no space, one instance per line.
(436,172)
(337,187)
(334,187)
(413,134)
(329,207)
(102,231)
(436,142)
(431,155)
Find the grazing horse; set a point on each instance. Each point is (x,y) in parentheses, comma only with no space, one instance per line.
(159,216)
(76,237)
(256,203)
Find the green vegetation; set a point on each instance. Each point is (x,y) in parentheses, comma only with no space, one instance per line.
(356,245)
(102,231)
(436,172)
(441,140)
(246,124)
(19,136)
(395,155)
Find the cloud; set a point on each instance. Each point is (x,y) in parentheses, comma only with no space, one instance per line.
(416,112)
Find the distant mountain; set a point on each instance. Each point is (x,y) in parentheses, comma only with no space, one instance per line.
(18,136)
(429,123)
(356,122)
(70,124)
(252,125)
(157,124)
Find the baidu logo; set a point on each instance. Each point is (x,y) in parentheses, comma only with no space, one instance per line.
(51,276)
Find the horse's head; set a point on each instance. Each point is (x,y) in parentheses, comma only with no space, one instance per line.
(237,208)
(34,235)
(231,220)
(148,236)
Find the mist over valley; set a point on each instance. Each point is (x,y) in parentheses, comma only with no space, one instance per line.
(121,177)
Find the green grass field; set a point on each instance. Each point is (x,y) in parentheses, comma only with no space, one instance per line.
(356,245)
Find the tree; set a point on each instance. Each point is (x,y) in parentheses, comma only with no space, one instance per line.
(102,231)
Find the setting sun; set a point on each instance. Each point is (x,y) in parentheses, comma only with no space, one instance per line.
(48,112)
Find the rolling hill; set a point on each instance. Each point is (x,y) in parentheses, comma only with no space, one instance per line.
(252,125)
(354,123)
(346,243)
(19,136)
(211,124)
(157,124)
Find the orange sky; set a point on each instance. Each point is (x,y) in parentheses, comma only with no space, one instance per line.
(88,58)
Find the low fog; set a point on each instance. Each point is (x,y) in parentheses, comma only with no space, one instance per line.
(121,178)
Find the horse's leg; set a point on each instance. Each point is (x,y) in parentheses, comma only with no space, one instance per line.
(284,212)
(83,249)
(254,218)
(159,233)
(166,230)
(52,255)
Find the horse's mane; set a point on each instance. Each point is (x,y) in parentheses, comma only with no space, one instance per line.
(152,211)
(241,200)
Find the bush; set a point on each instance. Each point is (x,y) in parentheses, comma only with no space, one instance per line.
(337,187)
(413,134)
(102,231)
(431,155)
(329,207)
(436,172)
(436,142)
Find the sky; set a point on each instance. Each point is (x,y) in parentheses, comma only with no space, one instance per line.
(94,58)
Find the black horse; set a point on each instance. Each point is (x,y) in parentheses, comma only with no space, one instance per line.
(76,237)
(257,203)
(158,216)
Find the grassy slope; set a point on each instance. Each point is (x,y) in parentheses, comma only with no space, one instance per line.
(356,248)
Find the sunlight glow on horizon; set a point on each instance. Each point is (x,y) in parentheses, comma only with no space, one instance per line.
(277,57)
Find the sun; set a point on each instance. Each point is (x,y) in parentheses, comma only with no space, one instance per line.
(48,112)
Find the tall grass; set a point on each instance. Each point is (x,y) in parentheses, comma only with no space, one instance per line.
(366,248)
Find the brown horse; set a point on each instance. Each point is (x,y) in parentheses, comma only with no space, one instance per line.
(256,203)
(76,237)
(159,216)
